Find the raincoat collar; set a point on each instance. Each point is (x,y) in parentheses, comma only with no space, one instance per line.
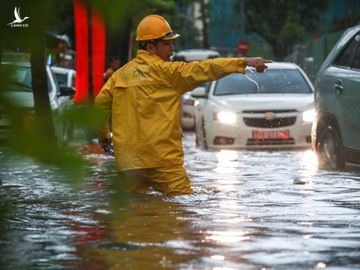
(144,54)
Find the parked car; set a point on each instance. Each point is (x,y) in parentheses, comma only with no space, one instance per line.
(66,80)
(20,93)
(336,130)
(64,76)
(195,55)
(188,109)
(266,110)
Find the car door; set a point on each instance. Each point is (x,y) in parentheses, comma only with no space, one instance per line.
(346,88)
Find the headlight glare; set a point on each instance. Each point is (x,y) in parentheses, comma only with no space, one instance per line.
(225,117)
(309,115)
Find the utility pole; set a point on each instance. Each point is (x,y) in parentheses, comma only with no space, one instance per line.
(204,9)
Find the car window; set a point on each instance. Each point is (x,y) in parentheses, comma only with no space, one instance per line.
(346,57)
(52,77)
(22,77)
(22,80)
(356,60)
(61,78)
(73,80)
(289,81)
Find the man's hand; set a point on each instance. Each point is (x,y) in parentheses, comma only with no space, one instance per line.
(105,142)
(258,63)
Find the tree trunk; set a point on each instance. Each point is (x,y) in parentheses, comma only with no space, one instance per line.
(43,113)
(204,18)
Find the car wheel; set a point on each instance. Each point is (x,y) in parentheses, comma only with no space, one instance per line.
(330,152)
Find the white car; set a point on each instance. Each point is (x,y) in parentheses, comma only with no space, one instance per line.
(64,76)
(188,109)
(195,55)
(269,110)
(19,92)
(187,103)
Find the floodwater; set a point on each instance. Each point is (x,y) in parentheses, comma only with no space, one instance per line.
(250,210)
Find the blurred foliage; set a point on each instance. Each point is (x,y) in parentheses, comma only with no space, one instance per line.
(31,131)
(26,138)
(282,23)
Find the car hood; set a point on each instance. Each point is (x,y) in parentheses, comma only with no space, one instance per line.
(25,99)
(240,103)
(21,99)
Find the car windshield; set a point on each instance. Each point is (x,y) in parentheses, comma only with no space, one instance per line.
(289,81)
(21,79)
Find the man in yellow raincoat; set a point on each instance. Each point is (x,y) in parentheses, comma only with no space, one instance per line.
(144,98)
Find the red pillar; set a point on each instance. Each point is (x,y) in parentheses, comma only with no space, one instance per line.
(98,52)
(82,52)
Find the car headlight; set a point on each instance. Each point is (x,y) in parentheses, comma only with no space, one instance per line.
(309,115)
(225,117)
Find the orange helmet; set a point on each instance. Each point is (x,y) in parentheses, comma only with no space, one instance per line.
(154,27)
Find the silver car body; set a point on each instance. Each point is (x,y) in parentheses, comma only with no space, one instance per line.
(337,95)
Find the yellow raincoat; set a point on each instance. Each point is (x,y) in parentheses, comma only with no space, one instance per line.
(144,99)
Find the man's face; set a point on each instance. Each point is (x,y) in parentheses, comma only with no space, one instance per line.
(164,49)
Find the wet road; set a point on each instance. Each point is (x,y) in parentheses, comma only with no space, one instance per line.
(250,210)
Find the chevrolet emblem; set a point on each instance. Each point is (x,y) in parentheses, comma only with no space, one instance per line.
(270,116)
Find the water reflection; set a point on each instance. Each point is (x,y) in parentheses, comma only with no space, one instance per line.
(227,236)
(247,213)
(227,161)
(143,232)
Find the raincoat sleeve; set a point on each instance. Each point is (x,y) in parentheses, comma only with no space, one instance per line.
(103,102)
(186,76)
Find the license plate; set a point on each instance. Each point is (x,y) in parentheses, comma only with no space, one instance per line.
(270,134)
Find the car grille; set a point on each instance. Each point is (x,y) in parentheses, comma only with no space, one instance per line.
(273,123)
(270,141)
(265,111)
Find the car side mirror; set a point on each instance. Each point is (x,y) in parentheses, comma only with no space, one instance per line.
(199,92)
(67,91)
